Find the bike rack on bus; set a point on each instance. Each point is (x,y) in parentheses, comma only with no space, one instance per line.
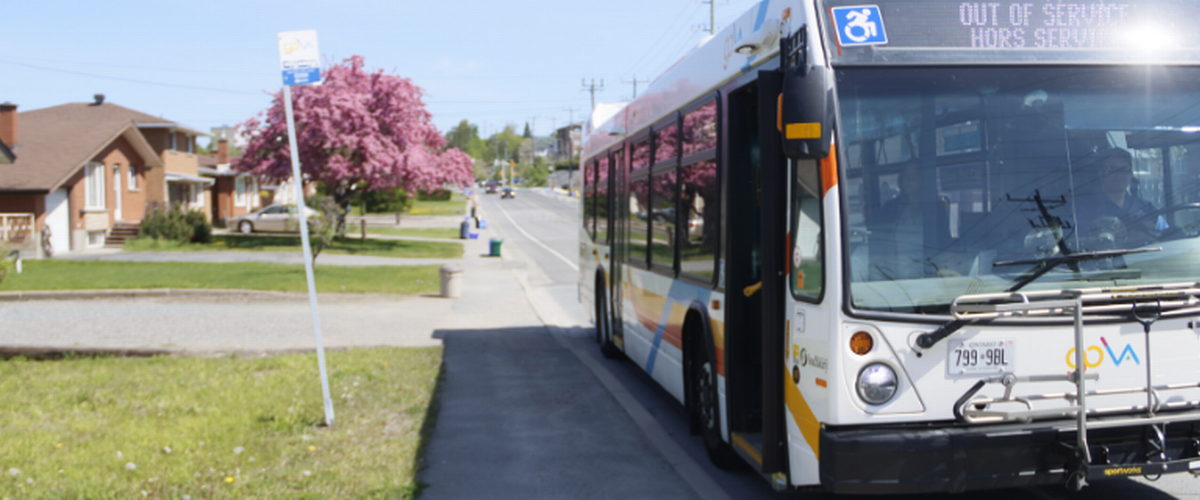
(1144,304)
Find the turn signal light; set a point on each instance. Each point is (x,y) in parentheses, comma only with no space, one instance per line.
(861,343)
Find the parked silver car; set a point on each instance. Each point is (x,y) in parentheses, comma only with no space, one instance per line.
(279,218)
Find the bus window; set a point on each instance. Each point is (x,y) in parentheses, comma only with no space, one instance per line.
(589,199)
(600,204)
(700,129)
(698,195)
(637,231)
(640,157)
(962,181)
(662,219)
(666,144)
(806,261)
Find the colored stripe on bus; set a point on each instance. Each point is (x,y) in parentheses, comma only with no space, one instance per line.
(674,297)
(810,428)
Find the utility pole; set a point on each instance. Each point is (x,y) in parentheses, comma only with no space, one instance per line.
(635,82)
(712,17)
(593,88)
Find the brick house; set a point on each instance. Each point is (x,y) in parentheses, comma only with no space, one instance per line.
(81,169)
(233,193)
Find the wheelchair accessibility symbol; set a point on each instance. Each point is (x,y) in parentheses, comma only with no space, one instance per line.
(859,25)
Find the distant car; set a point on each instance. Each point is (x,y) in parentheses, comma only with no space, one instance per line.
(492,187)
(278,218)
(508,193)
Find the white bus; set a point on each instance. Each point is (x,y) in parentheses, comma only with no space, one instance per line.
(915,245)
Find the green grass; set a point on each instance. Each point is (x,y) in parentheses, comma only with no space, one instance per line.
(454,206)
(94,275)
(420,232)
(344,246)
(234,427)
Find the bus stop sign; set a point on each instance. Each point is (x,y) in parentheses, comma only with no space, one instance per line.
(299,58)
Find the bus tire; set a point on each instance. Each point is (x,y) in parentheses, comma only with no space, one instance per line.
(706,409)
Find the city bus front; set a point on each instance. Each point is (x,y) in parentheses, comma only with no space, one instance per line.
(1018,247)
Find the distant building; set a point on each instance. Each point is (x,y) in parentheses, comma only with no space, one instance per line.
(567,141)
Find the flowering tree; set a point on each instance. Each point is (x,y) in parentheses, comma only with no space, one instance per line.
(356,131)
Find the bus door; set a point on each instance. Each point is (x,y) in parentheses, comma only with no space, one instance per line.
(618,214)
(743,276)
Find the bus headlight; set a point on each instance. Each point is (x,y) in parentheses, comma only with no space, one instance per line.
(876,383)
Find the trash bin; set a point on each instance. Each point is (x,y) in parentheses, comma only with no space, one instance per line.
(464,229)
(495,247)
(451,281)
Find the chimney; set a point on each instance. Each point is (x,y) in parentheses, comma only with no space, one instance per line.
(99,99)
(222,151)
(8,124)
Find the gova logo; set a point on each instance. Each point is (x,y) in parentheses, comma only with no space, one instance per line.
(293,46)
(1094,356)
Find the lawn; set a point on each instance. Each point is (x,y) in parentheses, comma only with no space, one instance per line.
(454,206)
(284,243)
(94,275)
(232,427)
(420,232)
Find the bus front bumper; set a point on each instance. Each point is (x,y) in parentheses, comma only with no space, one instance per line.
(953,458)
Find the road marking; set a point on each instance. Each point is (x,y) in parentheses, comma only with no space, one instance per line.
(564,219)
(535,240)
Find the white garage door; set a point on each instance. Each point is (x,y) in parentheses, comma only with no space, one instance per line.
(58,219)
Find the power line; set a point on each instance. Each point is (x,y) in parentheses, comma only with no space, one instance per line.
(132,80)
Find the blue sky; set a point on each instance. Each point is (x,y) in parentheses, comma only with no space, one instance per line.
(207,64)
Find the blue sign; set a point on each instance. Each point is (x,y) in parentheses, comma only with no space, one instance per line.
(301,76)
(859,25)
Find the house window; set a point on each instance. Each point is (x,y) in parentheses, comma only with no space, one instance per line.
(253,192)
(94,185)
(171,139)
(133,185)
(95,239)
(191,144)
(239,192)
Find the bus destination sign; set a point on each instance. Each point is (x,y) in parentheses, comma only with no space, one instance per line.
(1024,25)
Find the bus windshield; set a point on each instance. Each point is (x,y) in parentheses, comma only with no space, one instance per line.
(976,180)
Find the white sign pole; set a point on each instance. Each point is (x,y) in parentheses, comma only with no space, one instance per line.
(298,60)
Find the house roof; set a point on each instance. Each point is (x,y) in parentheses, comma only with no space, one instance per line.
(57,141)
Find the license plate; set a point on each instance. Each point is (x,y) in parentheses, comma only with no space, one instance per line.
(970,357)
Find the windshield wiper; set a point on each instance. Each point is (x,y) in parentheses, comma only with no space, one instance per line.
(1044,265)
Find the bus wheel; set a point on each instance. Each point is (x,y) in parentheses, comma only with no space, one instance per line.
(707,409)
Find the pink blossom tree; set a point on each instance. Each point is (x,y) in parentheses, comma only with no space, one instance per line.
(358,131)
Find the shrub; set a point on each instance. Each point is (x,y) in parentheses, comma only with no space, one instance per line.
(6,264)
(323,229)
(382,202)
(176,225)
(439,195)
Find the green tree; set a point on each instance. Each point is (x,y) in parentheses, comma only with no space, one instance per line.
(528,132)
(465,137)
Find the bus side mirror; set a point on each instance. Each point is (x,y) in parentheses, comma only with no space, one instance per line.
(806,113)
(805,106)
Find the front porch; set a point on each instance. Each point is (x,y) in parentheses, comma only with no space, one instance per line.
(18,234)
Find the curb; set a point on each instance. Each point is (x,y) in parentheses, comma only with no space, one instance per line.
(128,293)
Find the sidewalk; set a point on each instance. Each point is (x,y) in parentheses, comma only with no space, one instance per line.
(232,321)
